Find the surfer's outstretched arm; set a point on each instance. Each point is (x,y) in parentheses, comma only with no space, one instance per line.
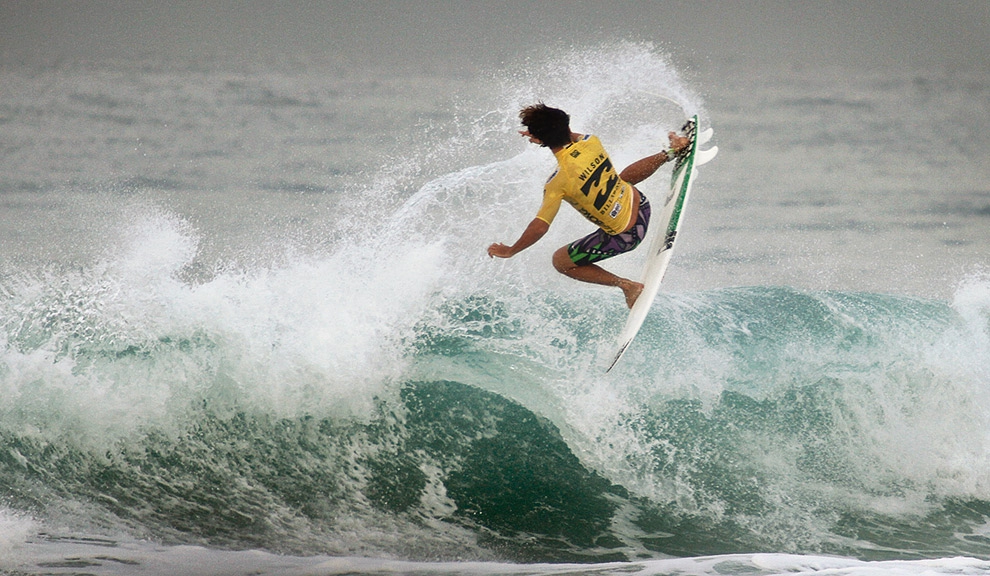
(536,230)
(645,167)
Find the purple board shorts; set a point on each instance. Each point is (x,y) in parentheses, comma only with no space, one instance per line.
(598,245)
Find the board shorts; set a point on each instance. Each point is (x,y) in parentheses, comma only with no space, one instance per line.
(599,245)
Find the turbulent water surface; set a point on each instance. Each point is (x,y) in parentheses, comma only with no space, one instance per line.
(247,325)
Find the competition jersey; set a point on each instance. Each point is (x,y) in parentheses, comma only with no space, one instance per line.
(586,179)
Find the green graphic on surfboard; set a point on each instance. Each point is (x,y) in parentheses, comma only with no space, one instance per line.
(665,226)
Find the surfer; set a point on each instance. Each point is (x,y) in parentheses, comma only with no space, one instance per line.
(586,179)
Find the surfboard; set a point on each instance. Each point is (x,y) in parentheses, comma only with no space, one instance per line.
(665,226)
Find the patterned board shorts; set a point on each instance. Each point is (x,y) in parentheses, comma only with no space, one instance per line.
(598,245)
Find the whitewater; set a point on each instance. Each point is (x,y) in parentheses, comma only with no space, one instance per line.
(247,325)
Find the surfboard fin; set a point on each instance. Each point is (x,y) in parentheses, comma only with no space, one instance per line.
(705,156)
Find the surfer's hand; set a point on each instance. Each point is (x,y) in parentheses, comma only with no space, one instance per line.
(499,250)
(677,142)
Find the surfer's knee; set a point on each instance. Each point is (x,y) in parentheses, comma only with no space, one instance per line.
(562,260)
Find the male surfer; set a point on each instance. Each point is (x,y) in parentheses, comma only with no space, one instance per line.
(586,179)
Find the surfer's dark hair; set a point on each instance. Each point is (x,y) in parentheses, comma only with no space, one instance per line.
(551,126)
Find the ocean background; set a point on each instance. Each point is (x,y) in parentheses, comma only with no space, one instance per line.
(248,326)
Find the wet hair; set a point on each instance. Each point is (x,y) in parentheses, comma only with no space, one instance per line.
(551,126)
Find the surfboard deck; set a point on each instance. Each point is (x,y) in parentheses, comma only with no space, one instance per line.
(665,225)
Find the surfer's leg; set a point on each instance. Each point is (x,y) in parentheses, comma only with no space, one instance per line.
(578,259)
(595,274)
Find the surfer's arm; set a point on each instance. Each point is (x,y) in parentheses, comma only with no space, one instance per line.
(531,235)
(645,167)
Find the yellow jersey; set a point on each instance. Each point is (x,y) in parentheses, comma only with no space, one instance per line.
(586,179)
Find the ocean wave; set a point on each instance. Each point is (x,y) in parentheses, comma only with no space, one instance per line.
(394,393)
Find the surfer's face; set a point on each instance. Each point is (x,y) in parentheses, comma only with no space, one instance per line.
(533,139)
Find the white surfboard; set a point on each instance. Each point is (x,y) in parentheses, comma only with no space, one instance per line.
(665,225)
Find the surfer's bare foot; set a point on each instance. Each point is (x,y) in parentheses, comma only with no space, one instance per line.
(632,290)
